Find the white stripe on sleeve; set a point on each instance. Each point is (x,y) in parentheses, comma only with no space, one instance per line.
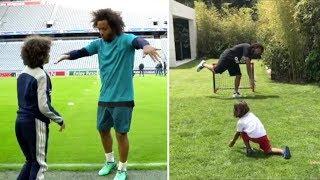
(43,100)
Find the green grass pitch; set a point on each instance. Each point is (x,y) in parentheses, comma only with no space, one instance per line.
(202,125)
(80,142)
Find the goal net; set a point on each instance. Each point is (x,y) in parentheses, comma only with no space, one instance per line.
(224,81)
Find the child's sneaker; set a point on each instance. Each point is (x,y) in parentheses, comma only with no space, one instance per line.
(200,65)
(107,168)
(121,175)
(286,153)
(249,152)
(236,95)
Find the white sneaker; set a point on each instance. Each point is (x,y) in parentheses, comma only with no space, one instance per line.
(236,95)
(200,65)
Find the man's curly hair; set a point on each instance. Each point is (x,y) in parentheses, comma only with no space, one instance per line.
(257,45)
(35,51)
(114,19)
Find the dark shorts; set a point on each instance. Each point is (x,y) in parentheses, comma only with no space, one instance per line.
(117,117)
(227,63)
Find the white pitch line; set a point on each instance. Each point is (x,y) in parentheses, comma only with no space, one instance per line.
(53,165)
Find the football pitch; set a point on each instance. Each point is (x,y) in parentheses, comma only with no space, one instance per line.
(202,125)
(79,146)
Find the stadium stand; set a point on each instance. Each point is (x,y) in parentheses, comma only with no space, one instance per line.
(32,19)
(35,17)
(3,10)
(26,18)
(79,22)
(10,55)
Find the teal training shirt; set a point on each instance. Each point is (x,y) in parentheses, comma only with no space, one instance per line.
(116,60)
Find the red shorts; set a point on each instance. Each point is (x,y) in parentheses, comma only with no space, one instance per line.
(262,141)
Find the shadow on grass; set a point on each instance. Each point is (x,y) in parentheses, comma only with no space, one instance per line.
(245,97)
(257,153)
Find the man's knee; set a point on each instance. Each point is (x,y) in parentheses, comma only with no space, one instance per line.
(106,133)
(121,136)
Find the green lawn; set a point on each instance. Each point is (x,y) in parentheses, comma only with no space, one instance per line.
(202,124)
(80,142)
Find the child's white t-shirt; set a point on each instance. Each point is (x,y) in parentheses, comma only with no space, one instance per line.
(250,124)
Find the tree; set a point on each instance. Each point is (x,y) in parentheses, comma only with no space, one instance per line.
(285,46)
(219,3)
(218,30)
(307,14)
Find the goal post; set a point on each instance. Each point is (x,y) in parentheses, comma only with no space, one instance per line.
(224,81)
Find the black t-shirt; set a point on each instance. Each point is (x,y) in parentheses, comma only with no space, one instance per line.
(237,52)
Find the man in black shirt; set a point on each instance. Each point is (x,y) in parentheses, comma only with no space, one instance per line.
(230,60)
(141,71)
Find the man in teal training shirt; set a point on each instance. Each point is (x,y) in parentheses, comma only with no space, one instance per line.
(115,51)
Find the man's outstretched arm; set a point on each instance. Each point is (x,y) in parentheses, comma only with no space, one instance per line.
(89,50)
(141,43)
(72,55)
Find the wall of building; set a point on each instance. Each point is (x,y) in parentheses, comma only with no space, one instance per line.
(178,10)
